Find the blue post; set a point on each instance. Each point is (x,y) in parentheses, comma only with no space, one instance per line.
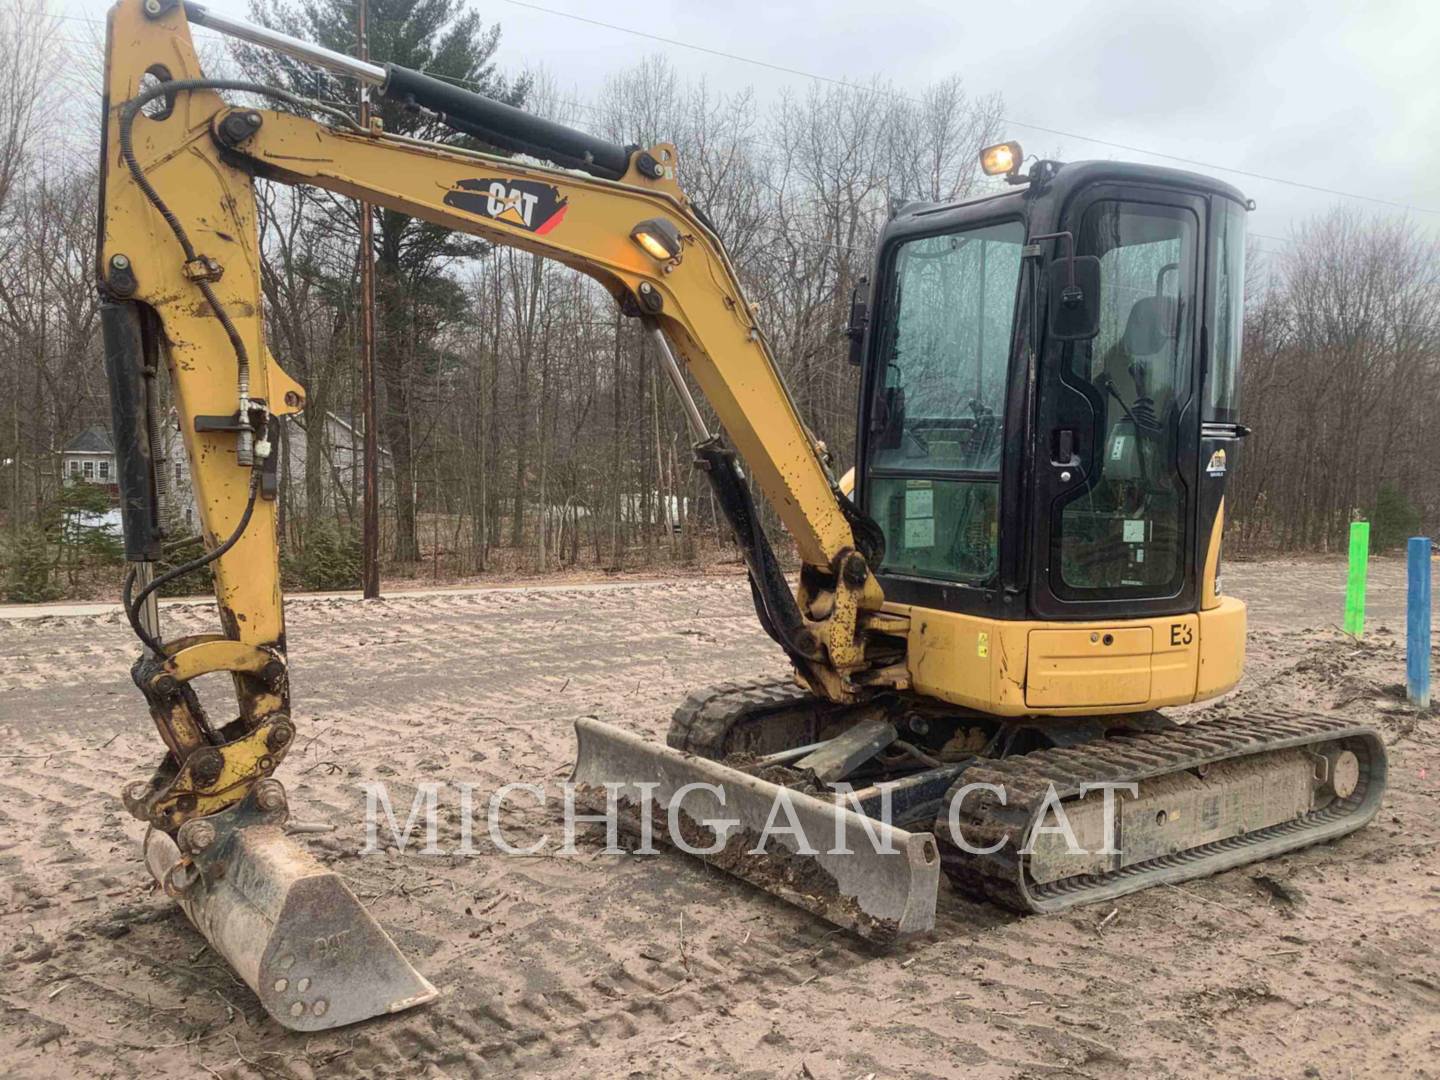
(1417,623)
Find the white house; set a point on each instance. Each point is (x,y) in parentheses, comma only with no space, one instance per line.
(343,460)
(89,458)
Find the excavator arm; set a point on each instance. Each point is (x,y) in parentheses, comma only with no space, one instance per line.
(179,265)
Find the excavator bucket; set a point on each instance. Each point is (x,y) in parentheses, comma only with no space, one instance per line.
(855,871)
(293,931)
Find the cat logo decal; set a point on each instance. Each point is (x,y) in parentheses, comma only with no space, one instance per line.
(527,204)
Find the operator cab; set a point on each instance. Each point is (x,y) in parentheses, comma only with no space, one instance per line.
(1041,438)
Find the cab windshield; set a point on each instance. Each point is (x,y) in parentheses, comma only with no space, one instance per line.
(937,422)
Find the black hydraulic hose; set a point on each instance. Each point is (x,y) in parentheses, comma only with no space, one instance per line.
(177,545)
(128,112)
(133,607)
(759,544)
(776,608)
(133,613)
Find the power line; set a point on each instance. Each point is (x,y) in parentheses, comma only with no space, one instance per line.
(696,48)
(897,96)
(1128,148)
(1226,168)
(1007,120)
(213,36)
(802,239)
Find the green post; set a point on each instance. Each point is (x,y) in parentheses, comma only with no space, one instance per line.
(1355,591)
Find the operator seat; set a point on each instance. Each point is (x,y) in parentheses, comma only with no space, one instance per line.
(1149,338)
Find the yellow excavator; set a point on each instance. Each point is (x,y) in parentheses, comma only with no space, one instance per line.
(1023,567)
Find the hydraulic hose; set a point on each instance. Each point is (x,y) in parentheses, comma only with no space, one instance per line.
(133,607)
(128,112)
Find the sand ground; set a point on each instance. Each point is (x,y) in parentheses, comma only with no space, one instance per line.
(616,966)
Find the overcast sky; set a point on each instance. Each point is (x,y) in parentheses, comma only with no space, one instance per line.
(1333,94)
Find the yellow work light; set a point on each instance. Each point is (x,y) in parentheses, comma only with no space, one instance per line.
(658,238)
(1003,159)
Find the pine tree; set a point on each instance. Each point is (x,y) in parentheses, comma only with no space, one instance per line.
(414,295)
(29,576)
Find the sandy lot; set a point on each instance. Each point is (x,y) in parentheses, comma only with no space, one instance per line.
(616,966)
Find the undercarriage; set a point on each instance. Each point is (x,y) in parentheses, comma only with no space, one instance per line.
(1035,815)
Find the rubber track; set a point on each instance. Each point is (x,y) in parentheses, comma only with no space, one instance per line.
(702,722)
(1000,876)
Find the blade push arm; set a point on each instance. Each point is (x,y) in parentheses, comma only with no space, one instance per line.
(180,258)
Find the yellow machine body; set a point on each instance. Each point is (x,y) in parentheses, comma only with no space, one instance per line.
(1025,668)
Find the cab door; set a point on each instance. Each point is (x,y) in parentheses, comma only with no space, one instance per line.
(1117,431)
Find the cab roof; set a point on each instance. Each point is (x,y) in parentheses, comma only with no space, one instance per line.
(1071,175)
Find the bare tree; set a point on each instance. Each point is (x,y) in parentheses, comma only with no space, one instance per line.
(1342,350)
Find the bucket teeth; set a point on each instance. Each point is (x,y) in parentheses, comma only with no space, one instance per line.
(291,929)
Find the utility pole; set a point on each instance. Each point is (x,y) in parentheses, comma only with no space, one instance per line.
(370,527)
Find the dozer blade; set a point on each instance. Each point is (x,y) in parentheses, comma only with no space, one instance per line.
(852,870)
(299,938)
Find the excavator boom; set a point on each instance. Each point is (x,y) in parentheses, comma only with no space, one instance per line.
(179,271)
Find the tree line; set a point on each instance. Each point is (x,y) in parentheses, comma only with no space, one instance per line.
(527,426)
(1341,384)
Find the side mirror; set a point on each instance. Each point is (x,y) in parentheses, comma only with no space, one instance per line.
(1075,298)
(859,320)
